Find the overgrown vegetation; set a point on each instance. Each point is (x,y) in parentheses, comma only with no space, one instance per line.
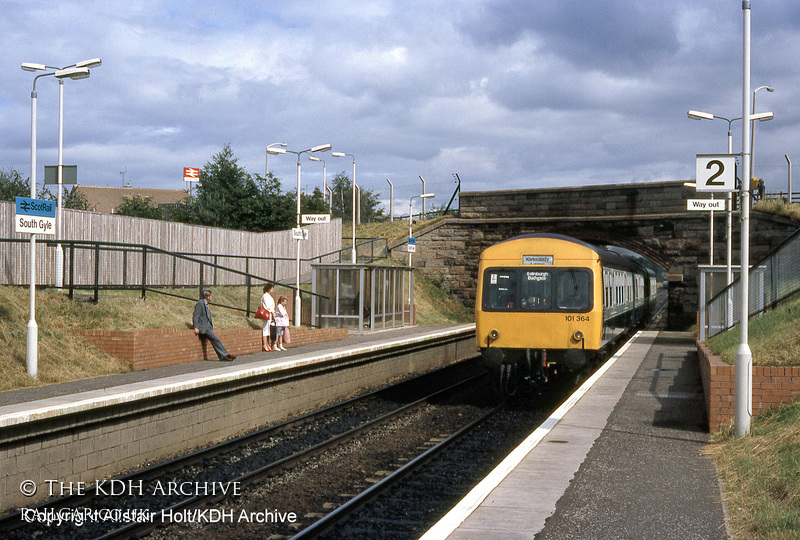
(761,472)
(774,337)
(761,475)
(779,208)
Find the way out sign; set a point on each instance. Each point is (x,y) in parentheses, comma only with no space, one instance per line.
(308,219)
(706,205)
(716,173)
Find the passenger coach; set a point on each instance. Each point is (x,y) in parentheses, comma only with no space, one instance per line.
(547,301)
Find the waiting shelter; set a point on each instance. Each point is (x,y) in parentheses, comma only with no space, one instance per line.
(362,297)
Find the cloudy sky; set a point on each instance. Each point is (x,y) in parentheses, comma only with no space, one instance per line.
(508,94)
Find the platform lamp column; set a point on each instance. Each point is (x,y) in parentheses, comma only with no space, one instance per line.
(324,180)
(391,201)
(32,352)
(353,255)
(753,127)
(410,235)
(743,384)
(321,148)
(266,158)
(76,72)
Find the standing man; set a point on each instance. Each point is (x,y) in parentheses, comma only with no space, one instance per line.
(204,328)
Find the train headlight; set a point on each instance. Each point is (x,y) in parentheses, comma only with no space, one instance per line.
(494,334)
(578,335)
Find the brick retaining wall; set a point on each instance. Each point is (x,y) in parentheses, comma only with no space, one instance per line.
(146,349)
(771,386)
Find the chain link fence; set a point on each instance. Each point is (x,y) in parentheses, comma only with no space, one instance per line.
(773,279)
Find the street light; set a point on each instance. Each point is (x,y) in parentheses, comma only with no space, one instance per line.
(79,70)
(353,258)
(324,179)
(266,159)
(700,115)
(321,148)
(391,201)
(753,117)
(422,216)
(423,196)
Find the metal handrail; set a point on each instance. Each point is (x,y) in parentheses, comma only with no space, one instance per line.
(144,249)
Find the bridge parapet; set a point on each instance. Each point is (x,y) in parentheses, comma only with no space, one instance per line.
(634,199)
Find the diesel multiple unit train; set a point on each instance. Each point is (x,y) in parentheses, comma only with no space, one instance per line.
(548,302)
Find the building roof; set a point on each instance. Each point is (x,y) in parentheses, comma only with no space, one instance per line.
(106,199)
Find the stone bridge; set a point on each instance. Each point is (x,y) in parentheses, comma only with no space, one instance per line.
(648,218)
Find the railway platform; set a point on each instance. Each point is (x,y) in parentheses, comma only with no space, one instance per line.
(620,459)
(93,429)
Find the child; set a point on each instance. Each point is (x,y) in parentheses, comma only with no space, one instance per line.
(281,323)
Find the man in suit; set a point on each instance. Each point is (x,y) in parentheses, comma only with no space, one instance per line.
(204,328)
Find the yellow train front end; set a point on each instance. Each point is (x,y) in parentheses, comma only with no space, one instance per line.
(539,307)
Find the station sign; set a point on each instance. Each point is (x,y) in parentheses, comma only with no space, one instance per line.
(412,245)
(706,205)
(191,174)
(35,216)
(715,173)
(299,234)
(308,219)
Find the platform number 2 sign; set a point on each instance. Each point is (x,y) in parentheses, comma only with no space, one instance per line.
(716,172)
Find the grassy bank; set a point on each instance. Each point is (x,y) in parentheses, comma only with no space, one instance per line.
(761,472)
(65,356)
(774,337)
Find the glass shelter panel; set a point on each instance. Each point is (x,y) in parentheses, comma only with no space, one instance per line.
(361,297)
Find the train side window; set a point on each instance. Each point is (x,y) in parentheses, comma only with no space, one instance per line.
(573,290)
(499,290)
(536,293)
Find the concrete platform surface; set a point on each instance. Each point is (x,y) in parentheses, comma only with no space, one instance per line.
(621,460)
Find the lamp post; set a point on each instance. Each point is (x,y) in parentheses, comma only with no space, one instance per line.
(79,70)
(422,215)
(391,201)
(321,148)
(324,179)
(422,196)
(743,383)
(700,115)
(753,125)
(353,257)
(266,159)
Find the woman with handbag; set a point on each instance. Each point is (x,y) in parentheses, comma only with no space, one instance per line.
(266,311)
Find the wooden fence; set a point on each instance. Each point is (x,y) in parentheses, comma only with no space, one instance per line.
(270,255)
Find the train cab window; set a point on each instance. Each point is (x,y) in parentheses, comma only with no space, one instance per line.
(500,290)
(573,289)
(536,293)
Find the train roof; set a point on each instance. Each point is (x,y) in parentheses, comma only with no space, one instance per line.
(606,256)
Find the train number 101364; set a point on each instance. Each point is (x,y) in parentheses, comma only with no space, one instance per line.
(576,318)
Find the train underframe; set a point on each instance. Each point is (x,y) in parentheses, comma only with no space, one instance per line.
(531,370)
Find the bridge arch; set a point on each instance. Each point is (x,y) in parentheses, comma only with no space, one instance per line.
(648,218)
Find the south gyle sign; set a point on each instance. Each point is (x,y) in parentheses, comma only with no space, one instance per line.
(35,216)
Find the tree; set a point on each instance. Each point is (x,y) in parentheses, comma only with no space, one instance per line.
(342,203)
(226,194)
(138,206)
(13,185)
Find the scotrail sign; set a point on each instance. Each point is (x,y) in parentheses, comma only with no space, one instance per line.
(35,216)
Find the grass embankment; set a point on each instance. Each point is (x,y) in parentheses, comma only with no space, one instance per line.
(774,338)
(761,472)
(778,207)
(65,356)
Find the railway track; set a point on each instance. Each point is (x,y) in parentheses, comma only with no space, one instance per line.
(136,504)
